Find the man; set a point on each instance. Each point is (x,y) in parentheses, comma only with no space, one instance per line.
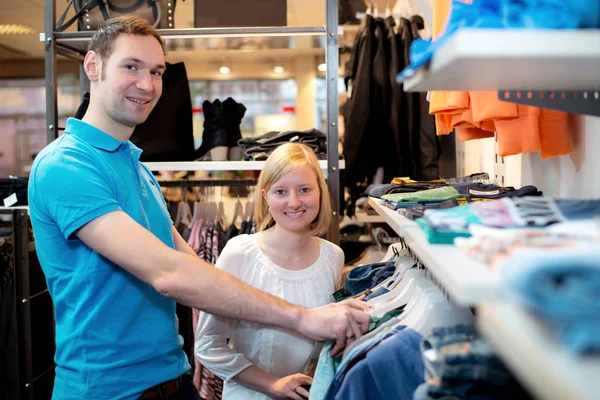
(114,263)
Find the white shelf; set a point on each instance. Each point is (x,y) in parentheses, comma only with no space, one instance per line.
(220,165)
(396,221)
(468,281)
(368,219)
(513,59)
(544,367)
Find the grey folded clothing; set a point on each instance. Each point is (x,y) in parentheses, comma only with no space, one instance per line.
(282,137)
(260,147)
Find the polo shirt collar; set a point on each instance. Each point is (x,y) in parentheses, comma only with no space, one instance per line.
(92,135)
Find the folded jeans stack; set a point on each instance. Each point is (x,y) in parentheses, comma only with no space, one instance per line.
(363,277)
(460,365)
(260,147)
(560,284)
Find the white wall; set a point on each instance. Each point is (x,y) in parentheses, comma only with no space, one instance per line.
(576,175)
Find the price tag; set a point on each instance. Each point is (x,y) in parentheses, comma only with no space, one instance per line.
(10,200)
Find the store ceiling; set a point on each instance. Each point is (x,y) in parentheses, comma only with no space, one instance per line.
(31,13)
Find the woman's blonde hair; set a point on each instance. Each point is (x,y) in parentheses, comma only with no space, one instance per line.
(282,161)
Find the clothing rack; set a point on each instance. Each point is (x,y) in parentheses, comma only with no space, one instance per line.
(383,238)
(35,371)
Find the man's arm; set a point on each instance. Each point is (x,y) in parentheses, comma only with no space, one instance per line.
(181,245)
(191,281)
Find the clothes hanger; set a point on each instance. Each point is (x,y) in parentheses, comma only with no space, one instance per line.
(429,308)
(247,210)
(196,212)
(180,206)
(396,250)
(404,265)
(440,312)
(221,209)
(401,295)
(237,211)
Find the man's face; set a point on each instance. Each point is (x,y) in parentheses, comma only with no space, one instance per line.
(131,79)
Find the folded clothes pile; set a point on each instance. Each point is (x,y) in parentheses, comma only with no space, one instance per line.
(554,272)
(443,226)
(561,285)
(460,365)
(260,147)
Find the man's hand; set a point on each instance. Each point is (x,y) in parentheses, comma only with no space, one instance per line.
(289,387)
(343,321)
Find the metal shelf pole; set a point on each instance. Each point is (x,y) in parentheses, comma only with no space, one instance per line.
(332,60)
(50,70)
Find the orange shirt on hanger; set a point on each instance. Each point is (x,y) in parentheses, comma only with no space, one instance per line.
(476,114)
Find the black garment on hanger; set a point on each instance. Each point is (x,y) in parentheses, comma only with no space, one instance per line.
(426,146)
(358,83)
(167,134)
(232,232)
(402,158)
(347,10)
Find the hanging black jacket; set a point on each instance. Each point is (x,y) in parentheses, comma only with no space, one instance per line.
(167,134)
(403,164)
(358,82)
(427,152)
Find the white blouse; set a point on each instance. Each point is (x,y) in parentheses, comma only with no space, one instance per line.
(279,352)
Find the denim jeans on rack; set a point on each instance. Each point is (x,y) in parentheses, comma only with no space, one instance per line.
(460,364)
(362,277)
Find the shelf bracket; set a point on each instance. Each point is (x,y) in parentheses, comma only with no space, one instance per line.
(580,102)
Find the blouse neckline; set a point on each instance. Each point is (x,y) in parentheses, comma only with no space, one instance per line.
(288,274)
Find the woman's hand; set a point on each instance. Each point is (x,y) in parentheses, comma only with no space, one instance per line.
(289,387)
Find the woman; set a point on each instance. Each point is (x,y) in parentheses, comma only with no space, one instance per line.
(284,258)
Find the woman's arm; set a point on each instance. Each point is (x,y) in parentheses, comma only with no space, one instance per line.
(288,387)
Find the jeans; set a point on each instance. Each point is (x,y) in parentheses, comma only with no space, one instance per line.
(560,285)
(361,277)
(187,391)
(458,363)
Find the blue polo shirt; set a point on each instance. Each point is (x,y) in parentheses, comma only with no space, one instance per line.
(115,335)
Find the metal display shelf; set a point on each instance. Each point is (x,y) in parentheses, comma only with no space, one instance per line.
(74,44)
(513,59)
(587,103)
(468,281)
(218,165)
(545,367)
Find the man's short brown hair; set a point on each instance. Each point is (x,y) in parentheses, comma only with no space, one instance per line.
(105,36)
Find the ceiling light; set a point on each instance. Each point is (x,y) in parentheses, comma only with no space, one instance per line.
(15,29)
(224,70)
(322,67)
(278,69)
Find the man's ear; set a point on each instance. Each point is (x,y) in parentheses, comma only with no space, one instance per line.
(92,65)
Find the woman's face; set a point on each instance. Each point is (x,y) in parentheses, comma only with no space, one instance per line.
(294,200)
